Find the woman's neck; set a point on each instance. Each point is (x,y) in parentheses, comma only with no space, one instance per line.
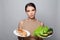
(31,18)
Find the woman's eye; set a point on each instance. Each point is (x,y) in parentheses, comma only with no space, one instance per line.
(33,10)
(28,11)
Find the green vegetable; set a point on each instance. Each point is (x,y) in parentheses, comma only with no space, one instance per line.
(43,31)
(46,29)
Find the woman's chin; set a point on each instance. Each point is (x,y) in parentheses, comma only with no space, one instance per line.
(31,17)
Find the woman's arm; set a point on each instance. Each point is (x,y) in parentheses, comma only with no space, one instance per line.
(20,25)
(41,23)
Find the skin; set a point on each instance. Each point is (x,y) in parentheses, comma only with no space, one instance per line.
(31,12)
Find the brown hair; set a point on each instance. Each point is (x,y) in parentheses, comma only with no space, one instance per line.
(30,4)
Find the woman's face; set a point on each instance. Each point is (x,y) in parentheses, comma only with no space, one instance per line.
(31,12)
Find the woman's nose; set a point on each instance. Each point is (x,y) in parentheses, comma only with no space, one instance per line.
(31,13)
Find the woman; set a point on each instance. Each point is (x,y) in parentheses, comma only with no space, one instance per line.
(31,23)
